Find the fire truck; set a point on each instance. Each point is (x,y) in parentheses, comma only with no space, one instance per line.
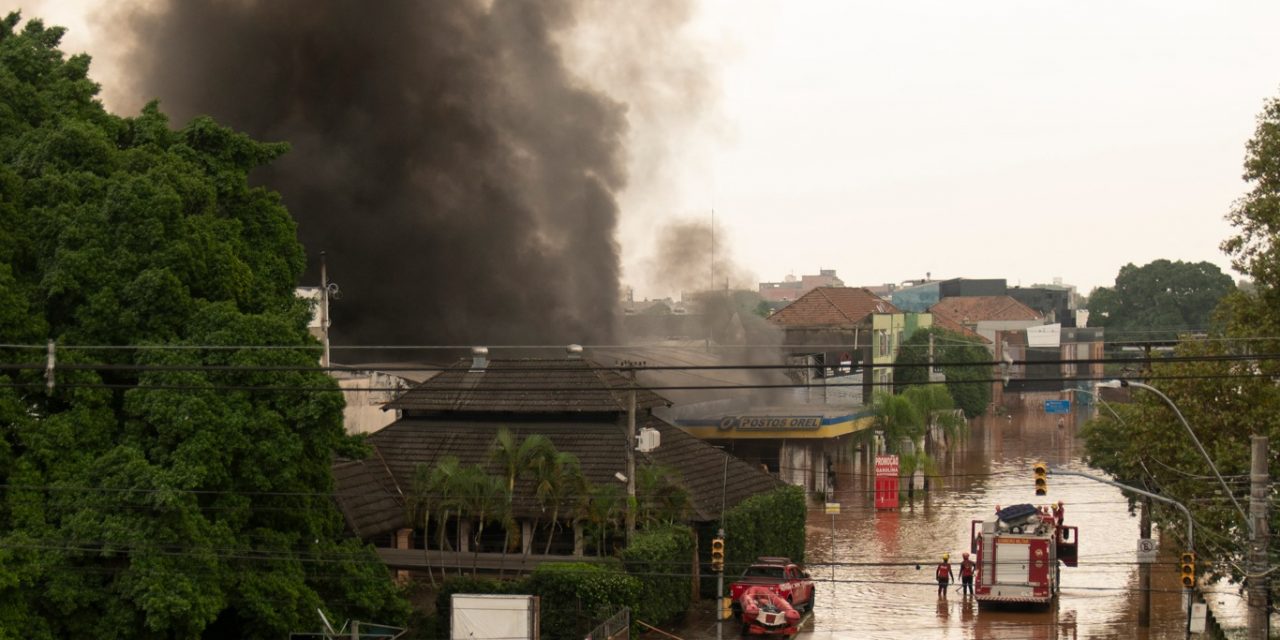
(1018,552)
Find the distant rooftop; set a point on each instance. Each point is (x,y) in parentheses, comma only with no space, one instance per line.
(832,306)
(968,310)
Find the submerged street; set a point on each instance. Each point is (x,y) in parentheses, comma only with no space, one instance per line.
(876,591)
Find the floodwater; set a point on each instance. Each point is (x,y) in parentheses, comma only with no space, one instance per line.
(875,590)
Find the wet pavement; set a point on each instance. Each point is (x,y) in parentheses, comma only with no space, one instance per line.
(875,590)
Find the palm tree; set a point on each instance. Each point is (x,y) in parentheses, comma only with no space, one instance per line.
(936,409)
(897,417)
(422,500)
(448,485)
(603,509)
(485,500)
(555,476)
(663,497)
(517,459)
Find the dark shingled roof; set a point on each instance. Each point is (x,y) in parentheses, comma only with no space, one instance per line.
(368,496)
(598,446)
(526,386)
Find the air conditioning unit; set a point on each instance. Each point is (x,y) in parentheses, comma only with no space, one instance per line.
(648,440)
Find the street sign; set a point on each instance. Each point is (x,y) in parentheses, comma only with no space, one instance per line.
(1147,549)
(1057,406)
(833,508)
(1199,611)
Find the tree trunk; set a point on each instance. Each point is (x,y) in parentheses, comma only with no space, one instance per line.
(551,534)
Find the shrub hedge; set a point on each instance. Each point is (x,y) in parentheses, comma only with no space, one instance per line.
(660,559)
(574,595)
(767,524)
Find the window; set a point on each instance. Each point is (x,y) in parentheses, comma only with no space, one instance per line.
(764,572)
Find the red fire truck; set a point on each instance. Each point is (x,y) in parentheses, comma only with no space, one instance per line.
(1018,552)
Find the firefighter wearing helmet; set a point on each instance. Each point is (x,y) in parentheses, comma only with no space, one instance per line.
(944,575)
(966,575)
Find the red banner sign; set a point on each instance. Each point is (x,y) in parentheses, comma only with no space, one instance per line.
(886,482)
(887,466)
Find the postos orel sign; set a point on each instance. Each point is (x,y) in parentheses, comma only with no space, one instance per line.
(771,423)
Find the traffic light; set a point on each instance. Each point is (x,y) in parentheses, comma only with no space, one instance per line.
(717,554)
(1042,478)
(1187,569)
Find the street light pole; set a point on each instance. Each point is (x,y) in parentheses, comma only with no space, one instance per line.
(1191,534)
(1100,401)
(1144,530)
(1130,383)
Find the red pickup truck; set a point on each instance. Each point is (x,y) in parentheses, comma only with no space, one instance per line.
(780,575)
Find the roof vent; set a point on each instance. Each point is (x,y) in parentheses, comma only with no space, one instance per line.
(479,358)
(574,351)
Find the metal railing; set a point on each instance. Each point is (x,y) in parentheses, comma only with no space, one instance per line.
(616,627)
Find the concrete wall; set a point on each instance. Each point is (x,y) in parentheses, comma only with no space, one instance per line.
(365,392)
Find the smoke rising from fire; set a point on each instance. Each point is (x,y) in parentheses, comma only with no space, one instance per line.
(694,255)
(461,178)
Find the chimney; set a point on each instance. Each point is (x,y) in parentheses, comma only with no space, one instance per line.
(479,359)
(573,351)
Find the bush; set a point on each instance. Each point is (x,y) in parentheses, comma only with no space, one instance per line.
(576,595)
(659,558)
(767,524)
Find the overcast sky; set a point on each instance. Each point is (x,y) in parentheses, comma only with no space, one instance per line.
(1026,139)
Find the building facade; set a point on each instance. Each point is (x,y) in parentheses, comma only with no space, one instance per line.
(792,288)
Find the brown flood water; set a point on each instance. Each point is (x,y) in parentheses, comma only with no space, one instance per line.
(875,590)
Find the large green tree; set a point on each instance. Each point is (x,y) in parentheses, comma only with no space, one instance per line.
(174,482)
(968,384)
(1224,399)
(1160,299)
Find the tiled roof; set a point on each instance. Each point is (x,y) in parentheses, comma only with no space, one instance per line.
(368,496)
(832,306)
(526,386)
(943,322)
(969,310)
(599,447)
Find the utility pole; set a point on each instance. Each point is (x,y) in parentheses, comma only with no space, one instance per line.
(1188,592)
(1144,569)
(631,459)
(324,311)
(1258,583)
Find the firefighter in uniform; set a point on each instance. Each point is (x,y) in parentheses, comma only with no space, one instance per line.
(944,575)
(966,575)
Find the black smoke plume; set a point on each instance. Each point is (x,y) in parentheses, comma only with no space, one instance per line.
(460,178)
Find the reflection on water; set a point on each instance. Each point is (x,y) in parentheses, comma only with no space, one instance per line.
(882,585)
(881,593)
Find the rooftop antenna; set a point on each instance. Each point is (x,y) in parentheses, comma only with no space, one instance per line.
(712,288)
